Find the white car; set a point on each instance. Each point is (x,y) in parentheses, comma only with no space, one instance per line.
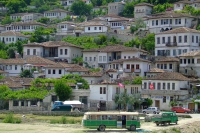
(151,110)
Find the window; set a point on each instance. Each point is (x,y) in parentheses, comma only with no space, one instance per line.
(181,60)
(88,28)
(117,90)
(169,39)
(177,21)
(145,85)
(28,51)
(104,90)
(192,61)
(197,38)
(34,51)
(170,21)
(15,67)
(94,58)
(173,86)
(171,98)
(165,66)
(54,71)
(60,71)
(185,39)
(61,51)
(163,40)
(100,58)
(49,71)
(101,90)
(158,65)
(156,22)
(127,66)
(152,22)
(99,28)
(104,58)
(90,58)
(174,52)
(163,86)
(137,66)
(158,86)
(188,61)
(65,51)
(170,66)
(168,86)
(192,38)
(158,40)
(179,51)
(161,66)
(184,61)
(164,99)
(198,61)
(85,58)
(179,39)
(95,28)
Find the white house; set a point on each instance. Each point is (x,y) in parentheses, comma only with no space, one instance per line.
(12,37)
(94,77)
(95,27)
(142,9)
(26,17)
(190,63)
(118,23)
(168,86)
(65,28)
(56,14)
(177,41)
(131,67)
(153,72)
(76,69)
(170,64)
(67,3)
(103,56)
(53,50)
(169,20)
(24,26)
(105,94)
(180,5)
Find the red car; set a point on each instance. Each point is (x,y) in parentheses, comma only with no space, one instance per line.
(179,109)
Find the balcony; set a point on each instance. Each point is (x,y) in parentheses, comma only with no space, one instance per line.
(171,44)
(127,70)
(137,70)
(164,92)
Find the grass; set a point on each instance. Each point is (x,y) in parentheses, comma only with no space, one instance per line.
(50,119)
(9,118)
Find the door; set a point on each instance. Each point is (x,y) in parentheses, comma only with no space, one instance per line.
(191,106)
(132,68)
(123,121)
(157,103)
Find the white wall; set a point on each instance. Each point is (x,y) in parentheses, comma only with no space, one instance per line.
(58,15)
(39,50)
(92,55)
(91,29)
(56,75)
(13,70)
(11,39)
(141,11)
(130,53)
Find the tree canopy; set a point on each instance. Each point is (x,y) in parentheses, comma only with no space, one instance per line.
(15,6)
(81,8)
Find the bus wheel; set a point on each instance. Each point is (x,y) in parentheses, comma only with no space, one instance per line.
(98,129)
(133,128)
(102,128)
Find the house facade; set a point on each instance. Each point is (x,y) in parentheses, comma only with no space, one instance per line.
(180,5)
(26,17)
(177,41)
(142,9)
(169,20)
(53,50)
(168,86)
(12,37)
(95,27)
(66,3)
(65,28)
(190,63)
(24,26)
(115,8)
(56,14)
(105,94)
(153,72)
(103,56)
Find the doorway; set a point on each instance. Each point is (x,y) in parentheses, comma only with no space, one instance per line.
(191,106)
(123,121)
(132,68)
(157,103)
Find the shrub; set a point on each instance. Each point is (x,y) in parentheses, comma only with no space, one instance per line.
(63,120)
(10,119)
(54,121)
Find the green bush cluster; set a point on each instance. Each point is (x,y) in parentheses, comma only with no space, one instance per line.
(64,120)
(10,119)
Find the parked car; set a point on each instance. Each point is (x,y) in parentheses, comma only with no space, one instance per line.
(179,109)
(151,110)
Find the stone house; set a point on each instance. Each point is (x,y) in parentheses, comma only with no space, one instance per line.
(180,5)
(12,37)
(94,77)
(153,72)
(94,27)
(169,20)
(53,50)
(190,63)
(103,56)
(24,26)
(26,17)
(142,9)
(57,14)
(177,41)
(168,86)
(65,28)
(115,8)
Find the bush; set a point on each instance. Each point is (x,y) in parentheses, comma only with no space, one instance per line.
(10,119)
(63,120)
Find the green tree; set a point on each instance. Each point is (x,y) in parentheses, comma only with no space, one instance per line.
(78,60)
(3,54)
(75,78)
(15,6)
(149,42)
(137,80)
(149,101)
(129,9)
(37,3)
(62,90)
(44,20)
(26,74)
(4,91)
(11,52)
(6,20)
(161,7)
(81,8)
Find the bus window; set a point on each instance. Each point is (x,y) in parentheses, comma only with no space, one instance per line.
(93,117)
(119,118)
(98,117)
(104,117)
(88,117)
(130,117)
(112,117)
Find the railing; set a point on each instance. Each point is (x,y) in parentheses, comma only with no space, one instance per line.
(137,70)
(171,44)
(127,70)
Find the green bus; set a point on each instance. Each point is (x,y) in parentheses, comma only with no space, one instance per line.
(103,120)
